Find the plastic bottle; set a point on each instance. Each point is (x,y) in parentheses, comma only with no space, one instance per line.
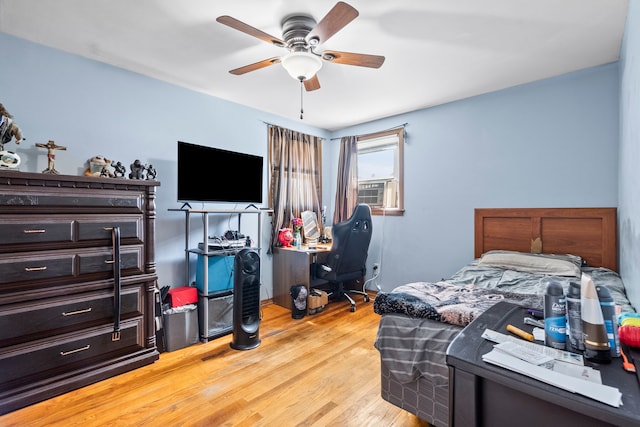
(575,338)
(555,317)
(610,320)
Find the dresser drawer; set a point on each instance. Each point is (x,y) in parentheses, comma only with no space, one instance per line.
(38,232)
(48,357)
(38,267)
(94,262)
(32,198)
(100,228)
(34,230)
(28,321)
(100,261)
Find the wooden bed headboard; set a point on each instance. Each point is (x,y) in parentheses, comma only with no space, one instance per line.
(588,232)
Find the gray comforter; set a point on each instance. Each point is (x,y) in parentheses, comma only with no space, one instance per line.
(416,329)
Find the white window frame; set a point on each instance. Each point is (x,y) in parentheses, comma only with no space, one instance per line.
(391,188)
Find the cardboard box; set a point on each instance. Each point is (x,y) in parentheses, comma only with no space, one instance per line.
(220,273)
(182,296)
(317,300)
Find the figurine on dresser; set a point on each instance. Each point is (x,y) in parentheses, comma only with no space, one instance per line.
(8,131)
(151,172)
(137,170)
(118,169)
(51,147)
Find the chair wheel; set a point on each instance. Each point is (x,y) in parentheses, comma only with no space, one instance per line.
(366,298)
(353,308)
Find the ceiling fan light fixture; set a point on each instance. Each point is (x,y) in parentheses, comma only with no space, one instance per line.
(301,65)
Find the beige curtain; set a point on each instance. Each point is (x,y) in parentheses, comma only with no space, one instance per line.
(347,188)
(295,161)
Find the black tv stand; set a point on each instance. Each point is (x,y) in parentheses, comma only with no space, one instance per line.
(185,205)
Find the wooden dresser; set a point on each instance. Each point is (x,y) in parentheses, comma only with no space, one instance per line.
(64,323)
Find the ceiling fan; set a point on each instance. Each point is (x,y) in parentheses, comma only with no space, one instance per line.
(302,36)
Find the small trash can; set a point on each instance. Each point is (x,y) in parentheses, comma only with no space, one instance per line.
(180,326)
(298,301)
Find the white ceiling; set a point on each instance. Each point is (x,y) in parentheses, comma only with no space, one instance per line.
(436,51)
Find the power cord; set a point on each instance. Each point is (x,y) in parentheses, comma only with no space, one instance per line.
(374,277)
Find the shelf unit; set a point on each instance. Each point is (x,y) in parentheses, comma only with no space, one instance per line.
(204,295)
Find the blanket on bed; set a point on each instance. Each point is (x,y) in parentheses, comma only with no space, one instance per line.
(446,302)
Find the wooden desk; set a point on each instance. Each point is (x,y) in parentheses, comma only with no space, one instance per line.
(293,267)
(481,394)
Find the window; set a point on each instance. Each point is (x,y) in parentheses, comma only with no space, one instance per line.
(380,171)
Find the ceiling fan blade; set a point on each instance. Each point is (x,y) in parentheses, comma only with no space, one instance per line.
(348,58)
(312,84)
(334,21)
(255,66)
(248,29)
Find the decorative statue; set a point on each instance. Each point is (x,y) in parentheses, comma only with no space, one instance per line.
(118,169)
(99,166)
(8,131)
(137,170)
(151,172)
(51,146)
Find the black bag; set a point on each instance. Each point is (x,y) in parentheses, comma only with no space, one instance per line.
(298,301)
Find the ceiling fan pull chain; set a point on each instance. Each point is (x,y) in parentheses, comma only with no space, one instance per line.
(301,94)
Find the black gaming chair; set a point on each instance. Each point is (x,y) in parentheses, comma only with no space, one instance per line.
(348,255)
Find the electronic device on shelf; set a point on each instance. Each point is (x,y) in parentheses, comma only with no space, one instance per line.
(221,245)
(233,235)
(230,240)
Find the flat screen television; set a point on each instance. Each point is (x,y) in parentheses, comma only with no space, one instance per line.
(208,174)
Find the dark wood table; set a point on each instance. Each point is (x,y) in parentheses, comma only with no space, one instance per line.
(482,394)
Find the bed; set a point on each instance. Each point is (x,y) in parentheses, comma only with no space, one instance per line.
(419,320)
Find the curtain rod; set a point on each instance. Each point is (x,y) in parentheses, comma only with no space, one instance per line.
(404,125)
(271,124)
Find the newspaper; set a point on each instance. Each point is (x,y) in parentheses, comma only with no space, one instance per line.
(562,371)
(561,355)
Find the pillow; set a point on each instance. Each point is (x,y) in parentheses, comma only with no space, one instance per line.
(557,265)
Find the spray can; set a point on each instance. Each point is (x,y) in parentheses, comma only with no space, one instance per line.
(555,317)
(596,342)
(610,319)
(575,340)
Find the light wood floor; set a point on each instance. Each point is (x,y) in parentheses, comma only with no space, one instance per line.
(321,370)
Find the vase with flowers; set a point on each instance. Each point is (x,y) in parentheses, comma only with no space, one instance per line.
(297,227)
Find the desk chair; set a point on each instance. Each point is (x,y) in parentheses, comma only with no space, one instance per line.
(348,255)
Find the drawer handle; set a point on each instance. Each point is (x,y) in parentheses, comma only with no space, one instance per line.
(35,268)
(66,353)
(73,313)
(34,231)
(109,261)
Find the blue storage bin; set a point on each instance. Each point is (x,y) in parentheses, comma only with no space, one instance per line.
(220,273)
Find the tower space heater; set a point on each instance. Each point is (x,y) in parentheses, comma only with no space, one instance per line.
(246,304)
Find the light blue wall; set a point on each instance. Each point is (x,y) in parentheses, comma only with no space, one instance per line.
(92,109)
(552,143)
(629,195)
